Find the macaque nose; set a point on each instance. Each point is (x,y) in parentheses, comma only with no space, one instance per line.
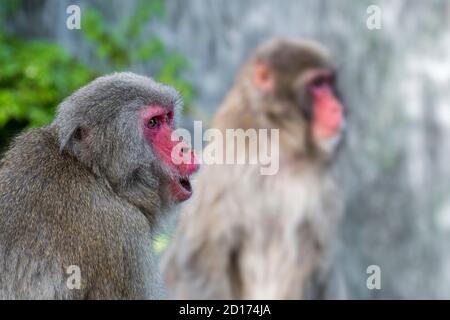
(187,160)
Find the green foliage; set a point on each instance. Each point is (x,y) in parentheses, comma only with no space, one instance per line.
(34,77)
(121,46)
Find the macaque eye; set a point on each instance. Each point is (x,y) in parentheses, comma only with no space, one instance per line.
(320,81)
(152,123)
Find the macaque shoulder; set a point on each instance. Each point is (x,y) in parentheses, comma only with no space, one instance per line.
(35,161)
(35,178)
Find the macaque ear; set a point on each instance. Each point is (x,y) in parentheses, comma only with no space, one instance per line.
(76,133)
(262,77)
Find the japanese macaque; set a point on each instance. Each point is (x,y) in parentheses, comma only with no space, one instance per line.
(246,235)
(81,197)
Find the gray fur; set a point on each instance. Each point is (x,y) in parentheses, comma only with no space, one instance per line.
(91,202)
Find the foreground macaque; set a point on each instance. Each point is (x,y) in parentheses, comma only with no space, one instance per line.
(80,198)
(251,236)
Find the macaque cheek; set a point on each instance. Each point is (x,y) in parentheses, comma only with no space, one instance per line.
(328,117)
(176,155)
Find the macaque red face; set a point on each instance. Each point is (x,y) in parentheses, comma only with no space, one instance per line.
(302,95)
(327,115)
(176,158)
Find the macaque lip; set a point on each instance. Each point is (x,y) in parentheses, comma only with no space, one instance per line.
(181,189)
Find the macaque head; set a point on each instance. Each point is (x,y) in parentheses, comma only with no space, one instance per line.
(177,159)
(121,127)
(295,82)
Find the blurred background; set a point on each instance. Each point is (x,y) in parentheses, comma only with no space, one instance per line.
(395,166)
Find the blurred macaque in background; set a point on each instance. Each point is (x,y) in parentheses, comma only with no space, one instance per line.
(246,235)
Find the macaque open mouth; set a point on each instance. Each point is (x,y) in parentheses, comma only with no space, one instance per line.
(181,189)
(186,184)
